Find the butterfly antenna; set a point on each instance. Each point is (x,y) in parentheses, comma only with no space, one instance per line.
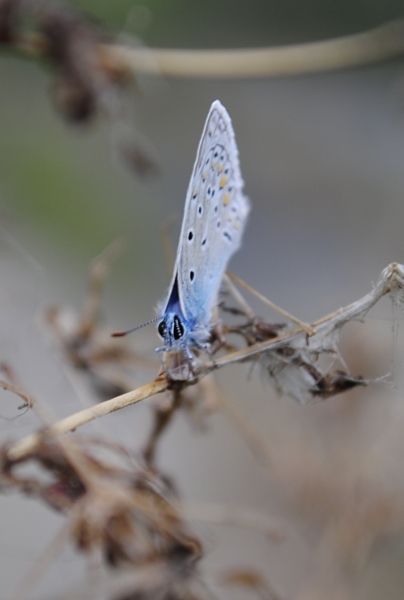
(122,333)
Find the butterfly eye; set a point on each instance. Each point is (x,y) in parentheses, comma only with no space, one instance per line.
(178,328)
(161,328)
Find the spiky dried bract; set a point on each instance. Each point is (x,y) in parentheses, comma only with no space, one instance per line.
(292,359)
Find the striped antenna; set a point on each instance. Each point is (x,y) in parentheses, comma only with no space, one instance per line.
(122,333)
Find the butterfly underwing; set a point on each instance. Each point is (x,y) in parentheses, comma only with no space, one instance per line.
(214,218)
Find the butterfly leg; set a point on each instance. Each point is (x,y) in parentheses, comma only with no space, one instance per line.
(209,353)
(177,364)
(163,365)
(219,338)
(206,346)
(190,359)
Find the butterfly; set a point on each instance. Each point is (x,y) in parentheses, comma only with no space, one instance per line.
(215,215)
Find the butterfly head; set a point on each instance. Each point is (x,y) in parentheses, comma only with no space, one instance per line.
(172,329)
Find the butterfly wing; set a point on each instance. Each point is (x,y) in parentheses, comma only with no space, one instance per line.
(214,218)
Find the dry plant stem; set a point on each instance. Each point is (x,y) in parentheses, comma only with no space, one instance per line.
(70,423)
(42,564)
(252,437)
(11,388)
(250,580)
(223,514)
(237,296)
(45,415)
(162,418)
(121,583)
(381,43)
(309,330)
(96,280)
(390,281)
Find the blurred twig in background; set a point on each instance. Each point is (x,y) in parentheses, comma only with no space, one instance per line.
(61,33)
(83,86)
(372,46)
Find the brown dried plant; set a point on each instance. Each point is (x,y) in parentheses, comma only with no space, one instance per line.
(131,513)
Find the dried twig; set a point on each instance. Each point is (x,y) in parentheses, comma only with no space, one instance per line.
(71,423)
(309,330)
(223,514)
(391,282)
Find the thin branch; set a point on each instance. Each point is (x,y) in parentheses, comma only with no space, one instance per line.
(223,514)
(42,564)
(237,296)
(382,43)
(391,281)
(96,279)
(250,434)
(309,330)
(11,388)
(70,423)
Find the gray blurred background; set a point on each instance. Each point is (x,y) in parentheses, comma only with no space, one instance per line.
(322,159)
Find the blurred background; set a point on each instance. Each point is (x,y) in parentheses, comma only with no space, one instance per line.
(322,159)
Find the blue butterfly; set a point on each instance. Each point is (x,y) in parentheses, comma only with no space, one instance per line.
(215,215)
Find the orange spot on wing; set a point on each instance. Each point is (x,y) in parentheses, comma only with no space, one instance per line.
(223,181)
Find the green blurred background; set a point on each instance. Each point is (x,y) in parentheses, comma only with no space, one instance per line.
(322,159)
